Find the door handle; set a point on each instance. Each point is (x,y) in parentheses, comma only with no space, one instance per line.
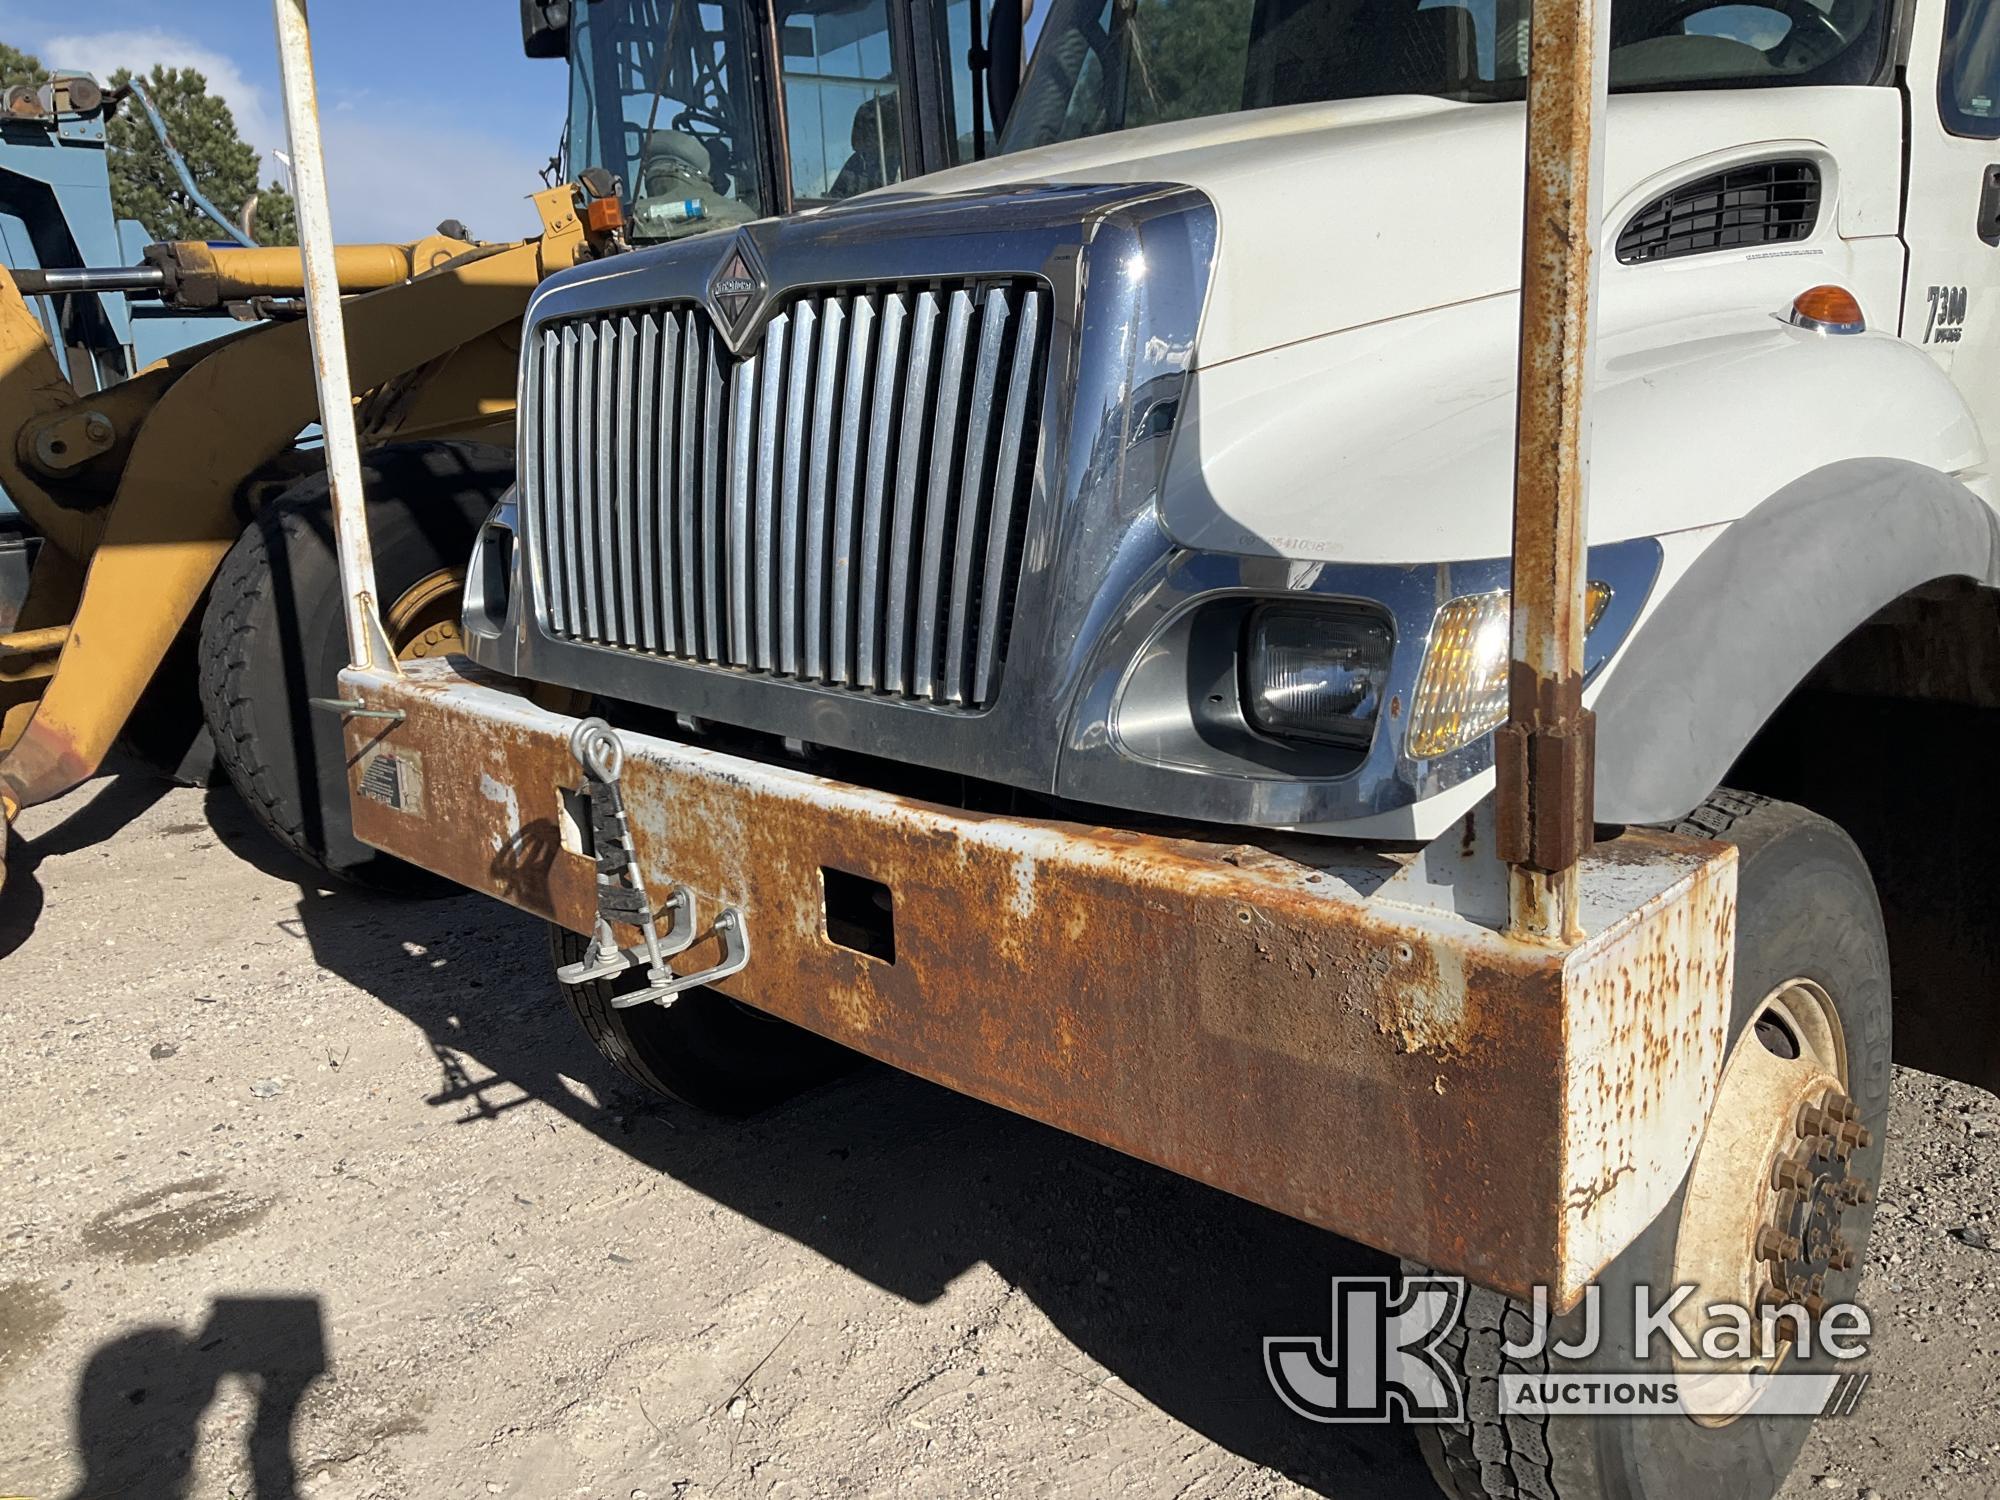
(1989,206)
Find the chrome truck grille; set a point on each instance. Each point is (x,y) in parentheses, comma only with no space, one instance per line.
(844,505)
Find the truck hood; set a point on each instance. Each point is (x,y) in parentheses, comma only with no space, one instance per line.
(1334,216)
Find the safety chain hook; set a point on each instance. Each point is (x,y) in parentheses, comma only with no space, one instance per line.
(622,898)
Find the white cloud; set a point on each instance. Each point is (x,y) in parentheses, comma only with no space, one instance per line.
(259,115)
(389,178)
(391,181)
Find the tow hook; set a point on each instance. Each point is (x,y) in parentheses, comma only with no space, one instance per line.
(622,896)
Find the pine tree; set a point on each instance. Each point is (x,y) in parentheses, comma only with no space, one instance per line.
(17,66)
(144,185)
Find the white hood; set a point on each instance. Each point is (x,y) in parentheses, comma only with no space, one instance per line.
(1337,215)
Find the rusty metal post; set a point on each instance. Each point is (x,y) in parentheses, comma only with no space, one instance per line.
(1545,752)
(367,644)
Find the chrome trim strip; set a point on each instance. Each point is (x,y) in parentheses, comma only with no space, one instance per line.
(846,480)
(708,525)
(797,393)
(742,431)
(881,430)
(686,452)
(770,398)
(644,499)
(1000,532)
(669,469)
(973,490)
(903,522)
(819,480)
(627,557)
(938,500)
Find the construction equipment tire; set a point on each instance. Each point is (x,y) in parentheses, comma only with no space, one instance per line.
(274,636)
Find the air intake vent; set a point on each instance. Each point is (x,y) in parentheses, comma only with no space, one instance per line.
(1771,203)
(844,506)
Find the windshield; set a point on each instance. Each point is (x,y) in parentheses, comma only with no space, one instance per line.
(661,96)
(1103,65)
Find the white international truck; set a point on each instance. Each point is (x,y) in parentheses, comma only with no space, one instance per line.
(1047,626)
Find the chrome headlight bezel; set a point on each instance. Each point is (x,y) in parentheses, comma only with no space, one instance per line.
(1161,723)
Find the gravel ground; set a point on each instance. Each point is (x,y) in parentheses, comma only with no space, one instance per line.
(297,1180)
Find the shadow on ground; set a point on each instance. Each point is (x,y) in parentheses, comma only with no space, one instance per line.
(1169,1285)
(139,1403)
(128,794)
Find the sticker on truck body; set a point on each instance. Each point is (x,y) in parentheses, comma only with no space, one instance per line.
(394,778)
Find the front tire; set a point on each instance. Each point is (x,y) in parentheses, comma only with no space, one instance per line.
(706,1050)
(274,635)
(1808,923)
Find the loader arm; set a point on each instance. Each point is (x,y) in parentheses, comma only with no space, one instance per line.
(175,514)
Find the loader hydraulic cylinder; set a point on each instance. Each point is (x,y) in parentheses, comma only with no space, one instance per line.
(90,279)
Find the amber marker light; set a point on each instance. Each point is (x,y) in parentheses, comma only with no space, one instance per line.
(603,215)
(1827,309)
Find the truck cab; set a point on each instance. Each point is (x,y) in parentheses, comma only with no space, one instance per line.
(1045,626)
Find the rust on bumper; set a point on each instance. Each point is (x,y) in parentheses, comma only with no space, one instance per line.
(1274,1024)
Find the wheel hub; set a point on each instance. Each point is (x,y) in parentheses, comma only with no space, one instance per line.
(1770,1212)
(423,620)
(1814,1189)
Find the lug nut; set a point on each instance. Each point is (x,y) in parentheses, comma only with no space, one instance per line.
(1773,1246)
(1791,1177)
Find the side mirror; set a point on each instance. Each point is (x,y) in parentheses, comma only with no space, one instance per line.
(1003,60)
(545,28)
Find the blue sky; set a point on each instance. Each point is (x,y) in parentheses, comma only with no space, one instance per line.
(430,110)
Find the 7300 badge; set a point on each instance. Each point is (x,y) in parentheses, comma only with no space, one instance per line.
(1946,323)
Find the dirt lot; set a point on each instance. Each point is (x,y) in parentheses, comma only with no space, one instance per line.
(296,1181)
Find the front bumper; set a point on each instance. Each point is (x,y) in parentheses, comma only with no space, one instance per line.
(1328,1030)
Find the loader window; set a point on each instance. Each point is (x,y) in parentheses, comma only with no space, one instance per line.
(845,94)
(842,107)
(1103,65)
(661,97)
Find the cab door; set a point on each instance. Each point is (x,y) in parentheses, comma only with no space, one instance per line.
(1951,215)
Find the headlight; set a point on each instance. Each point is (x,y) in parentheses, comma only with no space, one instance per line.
(1462,689)
(1318,673)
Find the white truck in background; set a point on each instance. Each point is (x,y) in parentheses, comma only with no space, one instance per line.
(1047,626)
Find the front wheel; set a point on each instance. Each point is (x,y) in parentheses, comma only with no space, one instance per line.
(1776,1208)
(705,1049)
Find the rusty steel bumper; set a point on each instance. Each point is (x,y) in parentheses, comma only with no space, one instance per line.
(1340,1034)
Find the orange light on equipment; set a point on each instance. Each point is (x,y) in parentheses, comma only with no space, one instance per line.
(1827,309)
(603,215)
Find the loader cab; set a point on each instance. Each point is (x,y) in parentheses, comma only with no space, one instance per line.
(716,112)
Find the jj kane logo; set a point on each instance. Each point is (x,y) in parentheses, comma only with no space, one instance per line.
(1396,1350)
(1383,1354)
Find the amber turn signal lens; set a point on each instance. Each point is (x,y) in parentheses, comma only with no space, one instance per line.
(1828,309)
(602,215)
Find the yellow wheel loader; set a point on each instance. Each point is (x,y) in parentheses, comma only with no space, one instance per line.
(178,527)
